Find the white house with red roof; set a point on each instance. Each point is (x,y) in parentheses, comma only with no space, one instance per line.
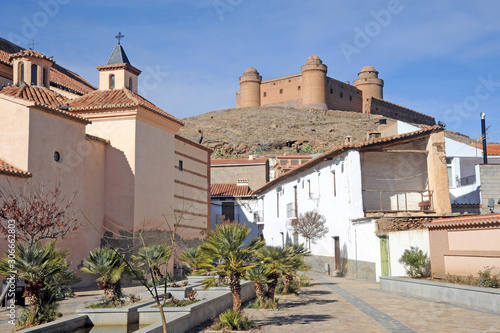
(364,191)
(117,151)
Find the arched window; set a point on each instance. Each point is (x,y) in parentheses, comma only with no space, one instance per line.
(111,81)
(44,77)
(33,75)
(21,73)
(130,82)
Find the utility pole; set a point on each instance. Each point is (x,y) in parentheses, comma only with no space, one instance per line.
(483,137)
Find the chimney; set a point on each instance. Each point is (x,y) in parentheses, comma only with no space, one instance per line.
(373,135)
(348,140)
(250,157)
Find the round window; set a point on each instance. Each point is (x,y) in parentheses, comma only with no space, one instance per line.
(57,156)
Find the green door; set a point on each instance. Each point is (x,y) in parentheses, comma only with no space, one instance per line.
(384,256)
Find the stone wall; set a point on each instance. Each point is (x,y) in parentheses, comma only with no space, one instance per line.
(361,270)
(387,109)
(342,96)
(490,186)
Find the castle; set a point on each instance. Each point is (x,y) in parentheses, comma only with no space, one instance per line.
(312,88)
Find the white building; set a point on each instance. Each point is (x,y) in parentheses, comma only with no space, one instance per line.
(354,187)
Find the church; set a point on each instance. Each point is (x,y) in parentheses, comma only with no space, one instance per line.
(115,153)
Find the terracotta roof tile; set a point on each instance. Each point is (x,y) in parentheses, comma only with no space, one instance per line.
(226,161)
(492,149)
(41,97)
(116,98)
(230,190)
(460,221)
(7,169)
(338,150)
(30,53)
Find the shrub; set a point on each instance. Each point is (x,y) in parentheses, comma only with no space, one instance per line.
(267,304)
(416,263)
(304,281)
(292,289)
(488,278)
(234,320)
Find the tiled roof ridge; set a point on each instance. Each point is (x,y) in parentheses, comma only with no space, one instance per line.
(30,53)
(468,220)
(7,169)
(339,149)
(230,190)
(135,96)
(403,107)
(96,138)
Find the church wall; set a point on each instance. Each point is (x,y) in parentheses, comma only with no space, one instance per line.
(192,188)
(14,134)
(342,96)
(154,177)
(120,169)
(286,89)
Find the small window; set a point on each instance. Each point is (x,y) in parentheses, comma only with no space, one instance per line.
(341,95)
(180,165)
(111,81)
(130,82)
(265,94)
(298,88)
(57,156)
(350,98)
(281,91)
(22,73)
(331,91)
(44,77)
(33,75)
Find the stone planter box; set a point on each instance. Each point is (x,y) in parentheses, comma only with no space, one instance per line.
(475,297)
(114,316)
(63,325)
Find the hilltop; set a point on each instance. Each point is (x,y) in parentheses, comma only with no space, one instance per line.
(277,129)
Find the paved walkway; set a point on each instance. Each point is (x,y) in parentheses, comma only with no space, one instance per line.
(339,305)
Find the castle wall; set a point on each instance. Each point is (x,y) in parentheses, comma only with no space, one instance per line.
(342,96)
(384,108)
(285,89)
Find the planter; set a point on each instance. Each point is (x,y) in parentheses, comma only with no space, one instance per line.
(474,297)
(114,316)
(62,325)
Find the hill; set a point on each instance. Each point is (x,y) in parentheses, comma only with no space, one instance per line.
(277,129)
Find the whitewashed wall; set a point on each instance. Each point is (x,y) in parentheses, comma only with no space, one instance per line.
(399,241)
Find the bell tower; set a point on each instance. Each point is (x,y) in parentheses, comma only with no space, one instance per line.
(118,73)
(31,67)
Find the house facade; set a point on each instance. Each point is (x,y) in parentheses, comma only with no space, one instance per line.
(353,187)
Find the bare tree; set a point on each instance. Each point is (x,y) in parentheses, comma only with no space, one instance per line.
(39,212)
(310,225)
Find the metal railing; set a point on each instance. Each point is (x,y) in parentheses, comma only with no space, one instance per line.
(397,201)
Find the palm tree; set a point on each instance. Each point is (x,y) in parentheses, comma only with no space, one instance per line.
(227,246)
(260,275)
(154,257)
(296,254)
(106,263)
(34,264)
(191,257)
(277,260)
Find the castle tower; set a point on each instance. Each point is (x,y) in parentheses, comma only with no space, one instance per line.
(249,94)
(370,85)
(31,67)
(314,83)
(118,73)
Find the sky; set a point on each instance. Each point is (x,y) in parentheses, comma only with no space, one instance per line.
(440,58)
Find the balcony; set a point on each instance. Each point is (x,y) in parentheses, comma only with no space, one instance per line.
(385,201)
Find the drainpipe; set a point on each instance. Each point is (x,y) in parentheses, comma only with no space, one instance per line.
(483,137)
(282,239)
(356,251)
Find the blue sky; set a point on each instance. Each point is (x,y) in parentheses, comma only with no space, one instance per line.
(437,57)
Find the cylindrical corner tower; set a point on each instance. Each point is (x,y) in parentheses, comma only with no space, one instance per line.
(249,94)
(314,83)
(370,86)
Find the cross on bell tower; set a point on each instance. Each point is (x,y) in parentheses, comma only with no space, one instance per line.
(119,36)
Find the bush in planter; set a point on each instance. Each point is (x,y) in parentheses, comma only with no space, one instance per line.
(416,263)
(234,320)
(488,278)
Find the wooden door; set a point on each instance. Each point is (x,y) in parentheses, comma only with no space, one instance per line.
(384,256)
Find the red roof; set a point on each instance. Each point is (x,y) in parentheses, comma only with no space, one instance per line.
(116,98)
(29,53)
(493,149)
(226,161)
(7,169)
(474,220)
(230,190)
(338,150)
(42,97)
(296,157)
